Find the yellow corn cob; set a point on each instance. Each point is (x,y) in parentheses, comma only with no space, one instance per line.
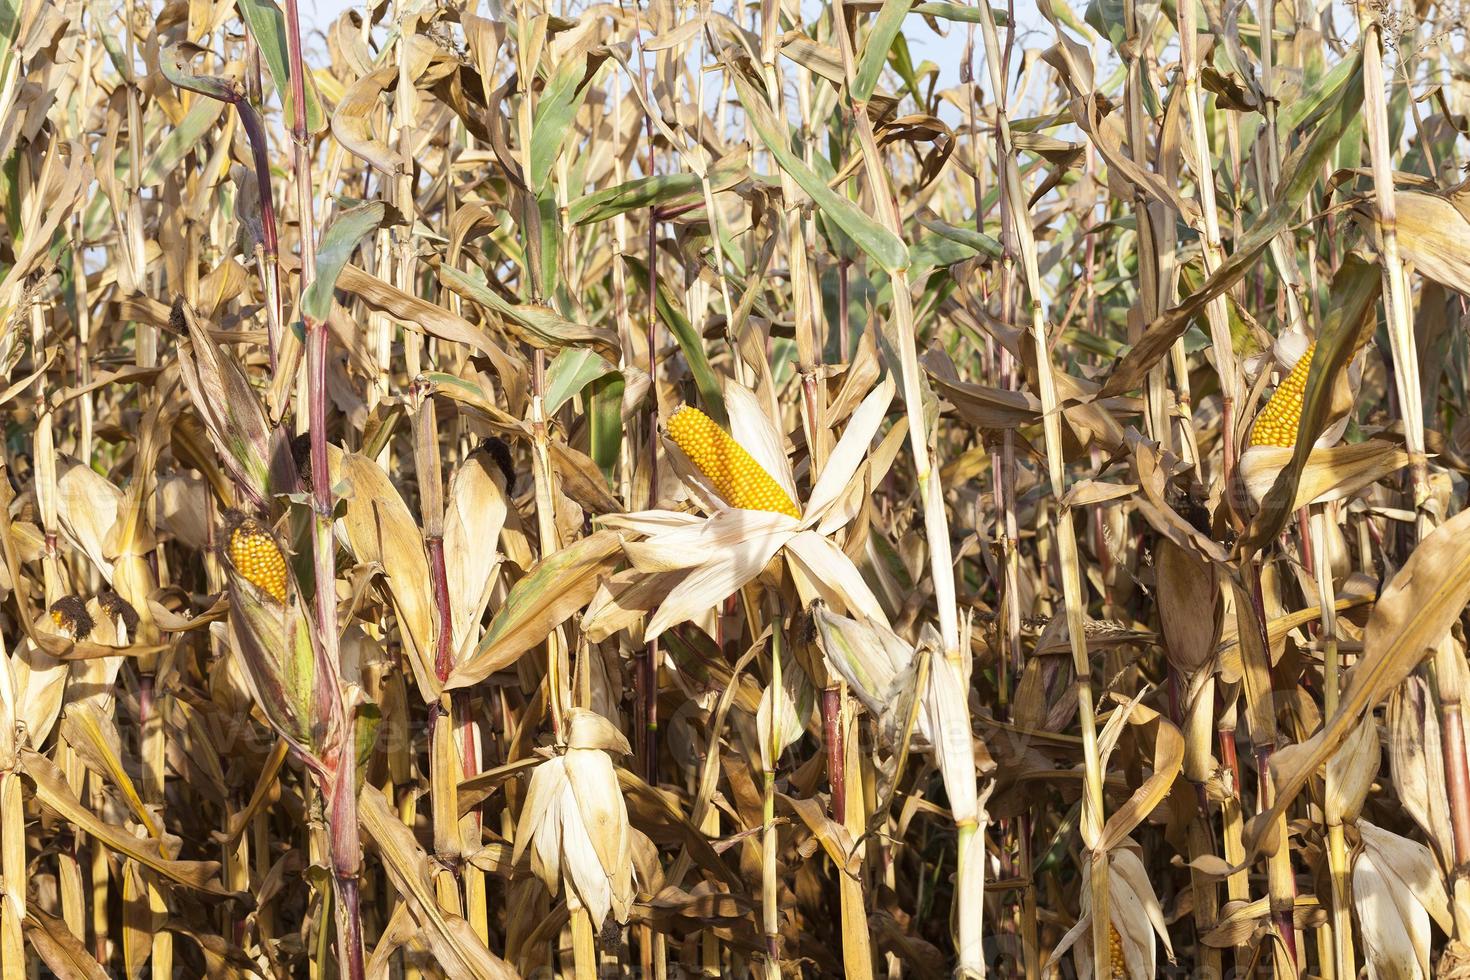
(732,471)
(1277,423)
(256,556)
(1115,951)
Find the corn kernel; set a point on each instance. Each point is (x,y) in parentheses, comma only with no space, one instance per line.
(1115,952)
(1277,423)
(253,551)
(732,471)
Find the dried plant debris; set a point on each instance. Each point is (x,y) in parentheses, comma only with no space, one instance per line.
(809,490)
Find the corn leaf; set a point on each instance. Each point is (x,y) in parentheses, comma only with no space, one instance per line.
(1300,171)
(53,791)
(268,26)
(339,241)
(875,49)
(1411,618)
(881,244)
(549,594)
(1349,324)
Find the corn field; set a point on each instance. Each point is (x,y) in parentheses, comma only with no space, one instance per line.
(691,489)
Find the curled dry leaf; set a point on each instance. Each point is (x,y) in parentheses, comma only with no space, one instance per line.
(1417,764)
(382,531)
(549,594)
(1432,229)
(1191,607)
(575,823)
(1411,617)
(1064,525)
(1396,890)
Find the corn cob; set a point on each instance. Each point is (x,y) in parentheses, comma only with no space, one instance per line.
(732,471)
(70,615)
(252,549)
(1115,951)
(1277,423)
(116,607)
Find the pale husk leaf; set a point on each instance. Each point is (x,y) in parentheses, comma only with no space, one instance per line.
(949,729)
(868,655)
(1351,771)
(783,712)
(650,522)
(40,680)
(582,872)
(694,544)
(849,452)
(87,508)
(604,820)
(474,516)
(542,793)
(1331,473)
(757,434)
(381,530)
(711,583)
(589,730)
(1394,928)
(832,575)
(1410,866)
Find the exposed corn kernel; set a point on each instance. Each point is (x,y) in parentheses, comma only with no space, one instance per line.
(1115,953)
(732,471)
(1277,423)
(70,615)
(256,556)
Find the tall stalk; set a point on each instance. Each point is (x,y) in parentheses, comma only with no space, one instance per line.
(445,766)
(13,870)
(1337,853)
(1212,252)
(964,806)
(340,793)
(1064,534)
(1399,313)
(770,910)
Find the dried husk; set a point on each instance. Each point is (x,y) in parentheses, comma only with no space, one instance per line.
(575,824)
(1396,891)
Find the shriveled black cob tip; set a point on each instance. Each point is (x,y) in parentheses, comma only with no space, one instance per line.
(805,624)
(301,456)
(70,615)
(116,607)
(500,452)
(177,325)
